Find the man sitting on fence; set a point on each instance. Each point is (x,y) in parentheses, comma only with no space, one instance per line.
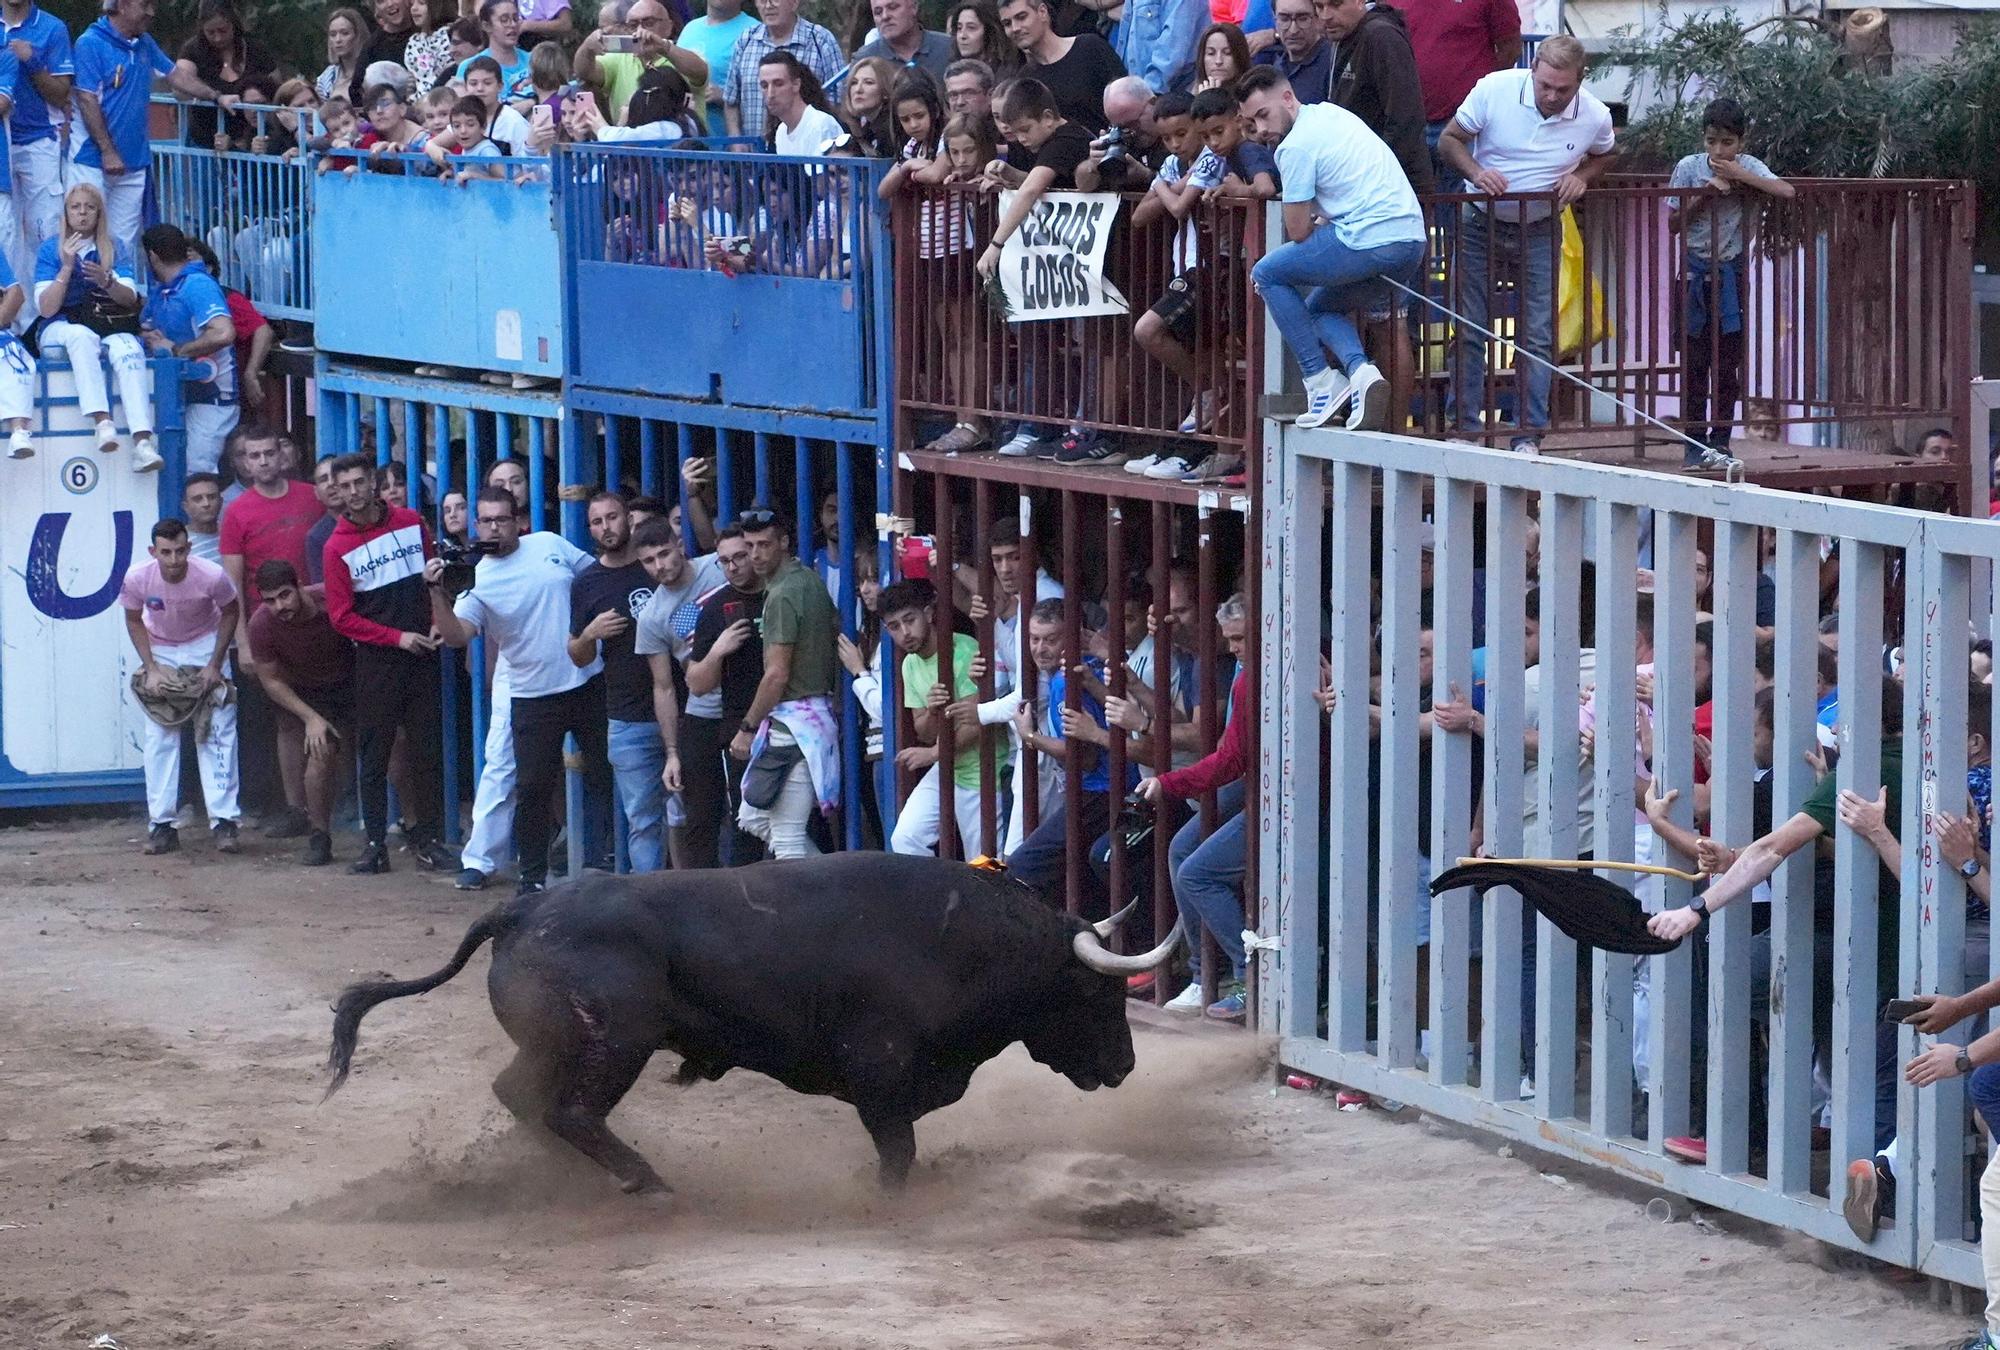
(1520,131)
(186,315)
(1351,222)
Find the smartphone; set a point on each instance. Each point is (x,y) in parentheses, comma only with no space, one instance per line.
(1897,1009)
(621,42)
(917,556)
(732,611)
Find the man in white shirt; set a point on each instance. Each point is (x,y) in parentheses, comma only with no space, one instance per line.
(520,601)
(1351,224)
(1520,131)
(796,127)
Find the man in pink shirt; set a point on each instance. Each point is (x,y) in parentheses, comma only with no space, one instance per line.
(180,613)
(268,523)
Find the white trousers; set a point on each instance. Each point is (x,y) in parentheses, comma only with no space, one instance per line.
(17,383)
(124,203)
(86,351)
(783,826)
(917,823)
(492,837)
(208,428)
(1989,1242)
(38,200)
(215,753)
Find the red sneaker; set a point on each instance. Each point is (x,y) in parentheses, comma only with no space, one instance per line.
(1142,983)
(1688,1148)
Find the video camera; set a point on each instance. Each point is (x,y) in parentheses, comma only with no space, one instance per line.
(461,565)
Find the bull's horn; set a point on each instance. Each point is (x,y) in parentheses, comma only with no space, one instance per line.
(1107,927)
(1091,952)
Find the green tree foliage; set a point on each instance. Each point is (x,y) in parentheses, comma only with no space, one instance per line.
(1813,112)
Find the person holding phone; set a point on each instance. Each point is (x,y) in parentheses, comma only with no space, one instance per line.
(616,55)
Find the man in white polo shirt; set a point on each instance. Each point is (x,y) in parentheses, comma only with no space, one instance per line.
(1351,222)
(1520,131)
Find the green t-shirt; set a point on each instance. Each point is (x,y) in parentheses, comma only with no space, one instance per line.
(799,613)
(620,72)
(921,672)
(1822,806)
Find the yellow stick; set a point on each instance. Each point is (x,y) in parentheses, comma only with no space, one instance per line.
(1588,865)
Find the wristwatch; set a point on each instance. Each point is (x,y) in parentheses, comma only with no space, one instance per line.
(1700,907)
(1970,868)
(747,729)
(1963,1063)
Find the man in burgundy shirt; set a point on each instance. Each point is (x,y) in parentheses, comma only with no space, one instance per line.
(269,521)
(308,671)
(1208,873)
(1456,42)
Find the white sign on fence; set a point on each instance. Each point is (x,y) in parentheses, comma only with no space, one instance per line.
(1053,266)
(72,519)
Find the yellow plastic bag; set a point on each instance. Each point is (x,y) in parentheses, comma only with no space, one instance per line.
(1576,326)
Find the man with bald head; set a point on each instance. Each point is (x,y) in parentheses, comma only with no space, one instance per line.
(1128,111)
(901,39)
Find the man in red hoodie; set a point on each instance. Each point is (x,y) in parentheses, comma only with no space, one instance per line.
(1208,873)
(376,595)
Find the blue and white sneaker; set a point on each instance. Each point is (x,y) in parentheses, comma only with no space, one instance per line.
(1326,395)
(1368,391)
(1229,1005)
(1021,444)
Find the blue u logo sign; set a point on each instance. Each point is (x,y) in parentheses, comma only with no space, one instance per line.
(45,589)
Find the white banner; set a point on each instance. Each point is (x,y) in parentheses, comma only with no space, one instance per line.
(1053,266)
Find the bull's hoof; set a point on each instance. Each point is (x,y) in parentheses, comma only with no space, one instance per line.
(645,1185)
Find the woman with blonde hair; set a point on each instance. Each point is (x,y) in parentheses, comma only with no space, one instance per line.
(84,288)
(346,55)
(869,112)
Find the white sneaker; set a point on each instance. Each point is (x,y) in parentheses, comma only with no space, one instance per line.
(107,437)
(1371,399)
(21,445)
(1187,1001)
(1020,445)
(1324,399)
(529,381)
(145,459)
(1143,464)
(1172,467)
(496,377)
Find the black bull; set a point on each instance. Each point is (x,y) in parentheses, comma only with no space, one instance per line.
(880,980)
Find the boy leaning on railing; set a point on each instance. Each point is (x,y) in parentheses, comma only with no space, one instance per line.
(1715,230)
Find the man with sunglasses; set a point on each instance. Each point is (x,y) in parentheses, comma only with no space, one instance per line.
(789,737)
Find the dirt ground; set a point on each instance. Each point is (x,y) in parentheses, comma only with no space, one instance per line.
(168,1175)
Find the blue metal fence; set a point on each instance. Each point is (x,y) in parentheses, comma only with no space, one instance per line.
(254,210)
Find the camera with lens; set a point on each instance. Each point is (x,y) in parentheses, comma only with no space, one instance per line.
(1114,147)
(461,565)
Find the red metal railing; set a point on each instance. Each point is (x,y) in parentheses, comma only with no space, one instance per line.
(957,356)
(1853,296)
(1852,299)
(1137,555)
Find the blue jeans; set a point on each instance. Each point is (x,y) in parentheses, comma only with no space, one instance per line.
(1313,286)
(1208,880)
(1528,255)
(1448,179)
(637,759)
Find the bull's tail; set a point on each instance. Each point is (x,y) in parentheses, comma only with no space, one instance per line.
(357,999)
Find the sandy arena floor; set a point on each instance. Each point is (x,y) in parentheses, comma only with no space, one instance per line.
(168,1176)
